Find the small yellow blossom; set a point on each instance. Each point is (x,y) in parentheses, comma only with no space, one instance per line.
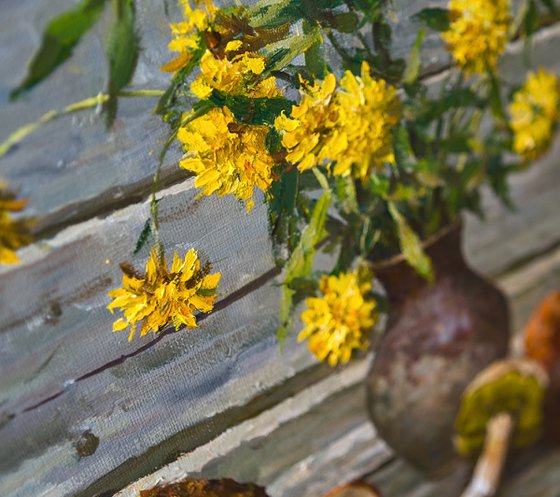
(310,133)
(534,113)
(161,296)
(13,233)
(227,157)
(238,76)
(187,33)
(477,34)
(351,126)
(369,110)
(341,320)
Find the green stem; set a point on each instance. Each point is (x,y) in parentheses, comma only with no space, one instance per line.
(157,175)
(20,134)
(321,178)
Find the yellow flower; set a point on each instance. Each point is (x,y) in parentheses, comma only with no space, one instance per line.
(534,113)
(310,134)
(13,233)
(341,320)
(351,127)
(238,76)
(187,33)
(161,296)
(477,34)
(227,157)
(369,109)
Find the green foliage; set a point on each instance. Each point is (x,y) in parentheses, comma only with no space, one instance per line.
(411,245)
(299,264)
(122,53)
(434,18)
(60,37)
(252,110)
(282,207)
(168,106)
(144,237)
(412,70)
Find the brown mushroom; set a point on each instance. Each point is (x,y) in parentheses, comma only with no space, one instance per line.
(502,405)
(200,487)
(542,344)
(354,489)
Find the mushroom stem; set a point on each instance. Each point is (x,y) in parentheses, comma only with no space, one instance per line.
(488,469)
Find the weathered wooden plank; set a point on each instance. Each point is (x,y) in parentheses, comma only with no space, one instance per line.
(289,445)
(184,392)
(65,283)
(73,169)
(322,436)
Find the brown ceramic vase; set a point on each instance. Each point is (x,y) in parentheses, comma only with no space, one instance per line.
(439,336)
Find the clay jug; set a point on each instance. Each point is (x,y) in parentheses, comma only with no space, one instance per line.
(439,335)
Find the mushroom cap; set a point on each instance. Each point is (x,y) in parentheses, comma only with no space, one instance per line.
(201,487)
(515,386)
(542,332)
(354,489)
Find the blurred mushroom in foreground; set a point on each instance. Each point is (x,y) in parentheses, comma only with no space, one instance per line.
(201,487)
(354,489)
(542,344)
(503,404)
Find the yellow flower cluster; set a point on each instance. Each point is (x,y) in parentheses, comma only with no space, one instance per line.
(477,34)
(351,126)
(13,233)
(534,113)
(187,33)
(340,321)
(227,157)
(238,76)
(161,296)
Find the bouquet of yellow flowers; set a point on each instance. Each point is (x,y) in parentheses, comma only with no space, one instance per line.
(355,154)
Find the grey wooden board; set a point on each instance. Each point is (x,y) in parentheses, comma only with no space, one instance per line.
(289,447)
(73,169)
(322,437)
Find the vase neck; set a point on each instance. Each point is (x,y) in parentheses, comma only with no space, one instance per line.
(401,280)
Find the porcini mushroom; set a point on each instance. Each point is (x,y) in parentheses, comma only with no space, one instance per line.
(354,489)
(503,404)
(542,332)
(542,344)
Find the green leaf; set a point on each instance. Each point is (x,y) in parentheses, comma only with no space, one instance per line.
(430,110)
(531,21)
(411,246)
(60,37)
(412,70)
(144,236)
(284,51)
(300,263)
(346,22)
(167,102)
(247,110)
(314,59)
(281,210)
(434,18)
(122,53)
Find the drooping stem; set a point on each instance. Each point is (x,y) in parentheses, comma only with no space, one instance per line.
(89,103)
(488,469)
